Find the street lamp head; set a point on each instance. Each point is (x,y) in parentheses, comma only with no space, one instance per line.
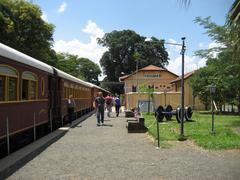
(183,38)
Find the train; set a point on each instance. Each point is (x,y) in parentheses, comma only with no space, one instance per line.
(33,98)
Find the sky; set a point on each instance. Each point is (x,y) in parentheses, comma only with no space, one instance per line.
(79,22)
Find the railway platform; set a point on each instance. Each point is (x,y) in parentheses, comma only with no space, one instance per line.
(86,151)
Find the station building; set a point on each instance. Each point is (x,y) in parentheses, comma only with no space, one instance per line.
(166,87)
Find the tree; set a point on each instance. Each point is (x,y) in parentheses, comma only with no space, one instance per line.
(233,14)
(224,69)
(144,88)
(89,70)
(22,28)
(82,68)
(121,55)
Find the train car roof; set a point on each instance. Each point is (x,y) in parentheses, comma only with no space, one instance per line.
(72,78)
(97,87)
(15,55)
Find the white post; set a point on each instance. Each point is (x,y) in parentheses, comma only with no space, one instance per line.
(8,139)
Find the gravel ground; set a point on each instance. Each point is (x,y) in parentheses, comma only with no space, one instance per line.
(109,152)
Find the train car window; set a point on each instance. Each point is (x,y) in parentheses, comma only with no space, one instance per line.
(8,71)
(12,89)
(29,86)
(65,92)
(25,89)
(43,86)
(2,88)
(8,83)
(33,89)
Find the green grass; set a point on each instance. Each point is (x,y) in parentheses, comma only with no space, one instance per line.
(199,130)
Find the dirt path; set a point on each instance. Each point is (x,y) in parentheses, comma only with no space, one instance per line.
(109,152)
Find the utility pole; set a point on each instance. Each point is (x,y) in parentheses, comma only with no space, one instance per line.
(181,138)
(182,84)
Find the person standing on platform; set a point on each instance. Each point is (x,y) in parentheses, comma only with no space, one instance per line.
(109,102)
(71,108)
(117,105)
(100,106)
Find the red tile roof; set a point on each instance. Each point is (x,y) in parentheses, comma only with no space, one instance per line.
(187,75)
(147,68)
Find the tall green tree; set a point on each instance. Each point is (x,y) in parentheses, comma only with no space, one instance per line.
(121,55)
(22,28)
(225,67)
(82,68)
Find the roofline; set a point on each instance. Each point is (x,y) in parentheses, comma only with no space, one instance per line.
(13,54)
(71,78)
(148,70)
(174,81)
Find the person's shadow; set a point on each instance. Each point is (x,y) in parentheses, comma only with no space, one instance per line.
(108,125)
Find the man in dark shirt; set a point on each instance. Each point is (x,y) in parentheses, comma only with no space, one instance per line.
(117,105)
(71,108)
(100,106)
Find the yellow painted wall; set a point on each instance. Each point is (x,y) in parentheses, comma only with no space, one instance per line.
(160,83)
(171,97)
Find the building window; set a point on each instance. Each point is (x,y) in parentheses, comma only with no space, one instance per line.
(8,83)
(29,86)
(134,89)
(151,75)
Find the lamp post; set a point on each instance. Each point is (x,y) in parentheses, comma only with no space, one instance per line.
(181,138)
(182,117)
(212,89)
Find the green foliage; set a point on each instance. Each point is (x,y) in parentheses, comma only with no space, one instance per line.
(227,130)
(82,68)
(144,88)
(222,70)
(128,51)
(22,28)
(233,14)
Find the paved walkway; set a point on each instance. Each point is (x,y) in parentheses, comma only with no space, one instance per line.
(109,152)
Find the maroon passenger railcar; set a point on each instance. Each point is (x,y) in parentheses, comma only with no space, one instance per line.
(33,98)
(79,89)
(24,96)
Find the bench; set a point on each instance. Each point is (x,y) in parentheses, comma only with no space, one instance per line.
(136,125)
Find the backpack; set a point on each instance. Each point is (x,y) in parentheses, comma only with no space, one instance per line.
(108,101)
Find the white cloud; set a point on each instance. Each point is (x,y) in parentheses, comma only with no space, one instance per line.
(90,50)
(201,45)
(175,48)
(93,29)
(190,64)
(215,45)
(62,7)
(44,16)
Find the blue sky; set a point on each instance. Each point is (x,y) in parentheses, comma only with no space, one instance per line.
(79,22)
